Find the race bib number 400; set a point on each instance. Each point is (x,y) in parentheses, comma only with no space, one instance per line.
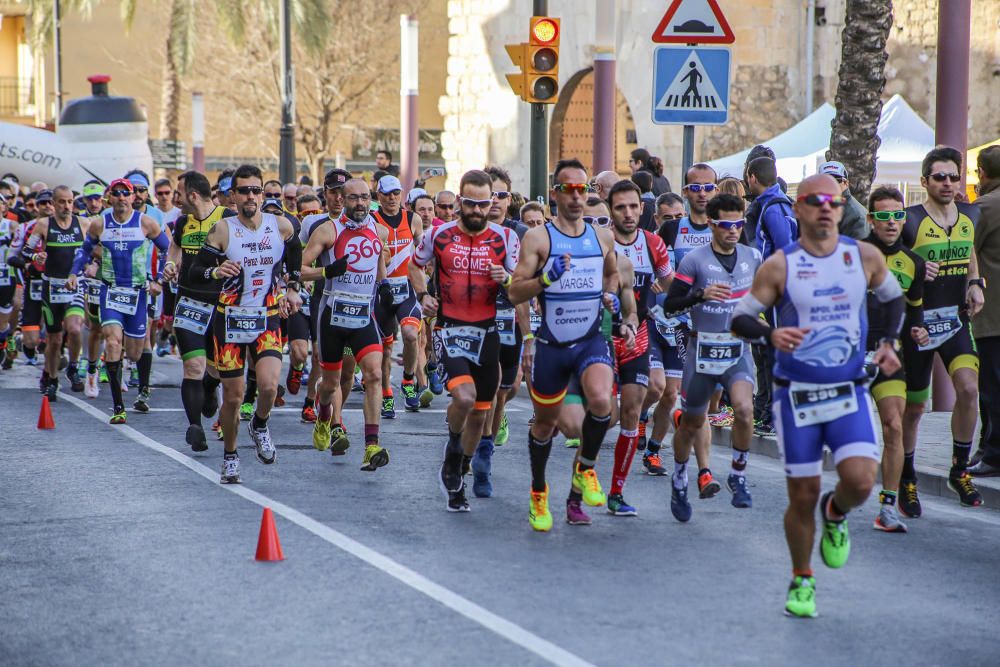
(821,403)
(717,352)
(245,324)
(464,342)
(125,300)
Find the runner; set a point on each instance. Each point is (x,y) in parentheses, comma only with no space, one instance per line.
(196,303)
(126,238)
(710,280)
(570,266)
(353,266)
(942,232)
(648,256)
(821,397)
(886,216)
(403,228)
(472,259)
(8,279)
(246,253)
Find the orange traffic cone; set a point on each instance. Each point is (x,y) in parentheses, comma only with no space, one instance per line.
(268,545)
(45,420)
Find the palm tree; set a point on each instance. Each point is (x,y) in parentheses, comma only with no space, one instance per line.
(854,139)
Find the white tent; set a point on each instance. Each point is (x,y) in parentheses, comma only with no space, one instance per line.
(800,150)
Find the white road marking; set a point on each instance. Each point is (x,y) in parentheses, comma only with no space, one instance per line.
(463,606)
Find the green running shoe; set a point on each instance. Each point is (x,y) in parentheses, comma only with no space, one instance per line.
(586,483)
(246,412)
(375,457)
(503,433)
(102,375)
(801,601)
(321,435)
(835,545)
(339,441)
(119,417)
(426,396)
(572,443)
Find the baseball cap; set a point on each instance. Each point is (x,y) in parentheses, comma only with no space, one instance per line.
(138,180)
(121,182)
(389,183)
(92,189)
(43,195)
(226,184)
(336,178)
(414,193)
(271,202)
(833,168)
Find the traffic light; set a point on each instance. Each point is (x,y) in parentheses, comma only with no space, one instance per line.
(538,60)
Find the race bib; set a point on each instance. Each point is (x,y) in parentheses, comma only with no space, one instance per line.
(125,300)
(5,279)
(668,329)
(245,324)
(304,309)
(717,352)
(464,342)
(535,321)
(193,315)
(400,289)
(59,292)
(93,288)
(821,403)
(941,324)
(35,288)
(349,310)
(505,326)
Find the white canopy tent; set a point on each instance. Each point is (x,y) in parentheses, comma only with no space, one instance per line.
(800,150)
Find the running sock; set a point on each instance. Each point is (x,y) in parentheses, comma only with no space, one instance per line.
(909,473)
(146,369)
(371,434)
(591,437)
(210,383)
(887,497)
(230,455)
(538,450)
(258,423)
(114,369)
(740,458)
(408,378)
(802,573)
(387,392)
(624,453)
(680,476)
(832,509)
(325,411)
(91,367)
(309,401)
(653,446)
(193,397)
(251,391)
(960,456)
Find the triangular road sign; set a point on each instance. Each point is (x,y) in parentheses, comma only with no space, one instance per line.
(694,22)
(691,89)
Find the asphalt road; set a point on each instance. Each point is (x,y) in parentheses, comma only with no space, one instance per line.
(119,546)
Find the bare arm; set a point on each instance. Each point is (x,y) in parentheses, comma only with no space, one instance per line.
(321,240)
(611,282)
(525,283)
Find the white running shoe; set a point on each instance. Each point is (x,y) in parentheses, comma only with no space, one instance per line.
(91,388)
(266,452)
(230,471)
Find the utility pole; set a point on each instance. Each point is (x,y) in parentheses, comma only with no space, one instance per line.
(198,131)
(539,171)
(57,58)
(409,145)
(286,147)
(604,88)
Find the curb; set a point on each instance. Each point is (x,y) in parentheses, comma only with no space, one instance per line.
(930,480)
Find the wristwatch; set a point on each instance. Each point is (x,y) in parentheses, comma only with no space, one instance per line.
(893,342)
(981,282)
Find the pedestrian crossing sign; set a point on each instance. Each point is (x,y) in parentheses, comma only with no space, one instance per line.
(691,85)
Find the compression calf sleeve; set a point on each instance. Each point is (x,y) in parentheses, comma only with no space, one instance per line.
(192,396)
(145,369)
(591,436)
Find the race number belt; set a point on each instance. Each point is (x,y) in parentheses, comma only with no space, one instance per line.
(245,324)
(717,352)
(351,311)
(505,326)
(941,324)
(464,342)
(93,288)
(193,315)
(35,288)
(400,288)
(125,300)
(59,292)
(821,403)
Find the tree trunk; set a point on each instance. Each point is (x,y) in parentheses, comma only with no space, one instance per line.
(854,139)
(170,97)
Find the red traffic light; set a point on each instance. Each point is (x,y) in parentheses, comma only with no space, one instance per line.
(544,31)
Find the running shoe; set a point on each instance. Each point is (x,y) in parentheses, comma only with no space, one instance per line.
(908,501)
(81,367)
(73,375)
(503,432)
(708,486)
(653,464)
(449,480)
(575,516)
(968,494)
(457,501)
(266,452)
(308,415)
(246,412)
(618,507)
(43,382)
(293,380)
(63,361)
(217,427)
(102,374)
(195,437)
(279,398)
(339,443)
(434,380)
(586,483)
(983,469)
(211,403)
(724,418)
(162,348)
(31,361)
(133,378)
(801,602)
(426,397)
(388,407)
(764,430)
(92,389)
(321,435)
(358,385)
(482,466)
(680,507)
(835,545)
(572,443)
(118,417)
(538,511)
(738,487)
(52,390)
(410,399)
(375,457)
(888,521)
(230,471)
(141,403)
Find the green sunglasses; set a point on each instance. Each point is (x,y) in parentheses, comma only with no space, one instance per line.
(885,216)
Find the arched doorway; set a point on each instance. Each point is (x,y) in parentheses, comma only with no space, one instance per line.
(571,130)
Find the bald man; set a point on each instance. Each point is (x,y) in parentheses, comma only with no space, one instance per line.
(821,398)
(603,182)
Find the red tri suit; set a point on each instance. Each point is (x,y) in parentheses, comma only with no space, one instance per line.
(651,262)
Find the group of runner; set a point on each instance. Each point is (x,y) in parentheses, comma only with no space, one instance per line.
(604,319)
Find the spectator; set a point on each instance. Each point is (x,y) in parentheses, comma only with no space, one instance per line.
(660,182)
(383,162)
(854,223)
(776,227)
(641,160)
(986,324)
(305,179)
(730,185)
(444,205)
(532,214)
(753,209)
(290,196)
(517,200)
(644,180)
(602,183)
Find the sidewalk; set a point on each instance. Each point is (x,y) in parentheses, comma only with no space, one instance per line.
(932,462)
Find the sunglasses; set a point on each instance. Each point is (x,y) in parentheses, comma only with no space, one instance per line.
(500,194)
(817,199)
(570,188)
(889,215)
(941,177)
(120,193)
(141,190)
(163,193)
(252,190)
(391,193)
(446,207)
(729,224)
(699,187)
(477,203)
(599,220)
(272,195)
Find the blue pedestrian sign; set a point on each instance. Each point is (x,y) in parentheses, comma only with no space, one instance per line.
(691,85)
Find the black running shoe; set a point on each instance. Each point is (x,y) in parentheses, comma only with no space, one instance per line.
(196,438)
(907,500)
(967,492)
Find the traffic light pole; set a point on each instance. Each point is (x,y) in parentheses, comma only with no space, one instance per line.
(286,146)
(539,166)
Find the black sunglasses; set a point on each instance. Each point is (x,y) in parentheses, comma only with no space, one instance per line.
(249,190)
(941,177)
(120,193)
(141,189)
